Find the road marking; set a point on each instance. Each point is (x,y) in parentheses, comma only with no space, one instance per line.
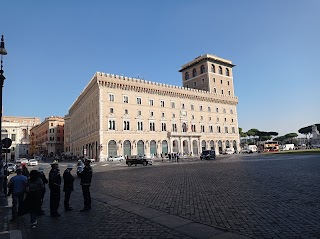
(105,165)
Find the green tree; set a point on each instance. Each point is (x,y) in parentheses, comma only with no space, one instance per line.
(291,136)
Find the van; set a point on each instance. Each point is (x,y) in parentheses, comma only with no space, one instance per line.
(208,154)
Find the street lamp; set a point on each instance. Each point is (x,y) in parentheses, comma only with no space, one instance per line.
(2,78)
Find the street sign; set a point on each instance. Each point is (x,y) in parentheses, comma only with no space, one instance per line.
(6,143)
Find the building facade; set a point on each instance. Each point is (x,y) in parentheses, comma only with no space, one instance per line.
(117,115)
(18,130)
(47,138)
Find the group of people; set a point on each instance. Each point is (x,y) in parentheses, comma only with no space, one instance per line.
(28,190)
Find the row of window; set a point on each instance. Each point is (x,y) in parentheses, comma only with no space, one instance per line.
(139,113)
(203,70)
(162,103)
(184,128)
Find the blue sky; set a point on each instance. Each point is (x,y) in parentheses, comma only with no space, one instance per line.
(55,47)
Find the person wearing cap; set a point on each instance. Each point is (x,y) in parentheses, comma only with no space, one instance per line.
(45,181)
(67,186)
(54,186)
(85,182)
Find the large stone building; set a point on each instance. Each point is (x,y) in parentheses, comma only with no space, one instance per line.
(117,115)
(47,138)
(18,130)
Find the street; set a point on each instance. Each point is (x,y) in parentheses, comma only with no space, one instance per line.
(256,196)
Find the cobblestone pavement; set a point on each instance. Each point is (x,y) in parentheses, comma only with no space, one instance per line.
(258,196)
(254,196)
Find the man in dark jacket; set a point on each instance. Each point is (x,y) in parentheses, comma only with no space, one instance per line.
(54,185)
(45,181)
(67,186)
(86,176)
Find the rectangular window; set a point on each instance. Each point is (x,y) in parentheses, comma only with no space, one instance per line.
(163,127)
(126,125)
(202,128)
(13,137)
(217,110)
(211,129)
(139,112)
(126,111)
(173,105)
(112,125)
(192,107)
(140,126)
(125,99)
(200,108)
(138,100)
(233,130)
(226,129)
(152,126)
(218,129)
(173,116)
(151,113)
(111,97)
(150,102)
(182,106)
(111,110)
(162,115)
(162,103)
(174,127)
(209,109)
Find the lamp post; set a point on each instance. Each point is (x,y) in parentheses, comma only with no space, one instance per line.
(2,78)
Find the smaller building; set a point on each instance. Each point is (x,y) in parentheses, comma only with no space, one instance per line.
(47,138)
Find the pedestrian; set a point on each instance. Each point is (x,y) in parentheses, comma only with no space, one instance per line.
(34,190)
(2,178)
(86,176)
(25,170)
(161,157)
(68,186)
(169,156)
(45,181)
(17,187)
(54,186)
(178,157)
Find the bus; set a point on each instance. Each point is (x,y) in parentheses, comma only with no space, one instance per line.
(271,146)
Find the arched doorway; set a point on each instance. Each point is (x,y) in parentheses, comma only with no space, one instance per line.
(126,148)
(212,145)
(112,148)
(235,146)
(175,146)
(195,147)
(140,147)
(185,147)
(153,148)
(164,147)
(227,144)
(203,145)
(220,146)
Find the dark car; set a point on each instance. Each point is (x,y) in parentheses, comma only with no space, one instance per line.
(208,154)
(137,159)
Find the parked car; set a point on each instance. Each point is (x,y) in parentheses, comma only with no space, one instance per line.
(138,159)
(115,158)
(11,167)
(229,151)
(33,162)
(208,154)
(247,151)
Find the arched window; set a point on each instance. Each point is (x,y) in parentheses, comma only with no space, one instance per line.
(213,68)
(220,70)
(202,70)
(227,72)
(214,90)
(194,72)
(186,76)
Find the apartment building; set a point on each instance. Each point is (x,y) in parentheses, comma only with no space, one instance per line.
(17,128)
(118,115)
(47,138)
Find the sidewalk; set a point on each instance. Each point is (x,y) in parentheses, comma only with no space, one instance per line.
(4,211)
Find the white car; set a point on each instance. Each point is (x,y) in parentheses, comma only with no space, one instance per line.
(116,158)
(33,162)
(24,160)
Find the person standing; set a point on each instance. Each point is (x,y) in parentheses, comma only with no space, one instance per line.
(67,186)
(17,185)
(54,186)
(25,170)
(34,190)
(45,181)
(86,176)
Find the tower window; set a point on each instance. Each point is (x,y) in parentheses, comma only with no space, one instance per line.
(194,83)
(202,69)
(220,70)
(194,72)
(213,68)
(227,72)
(186,77)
